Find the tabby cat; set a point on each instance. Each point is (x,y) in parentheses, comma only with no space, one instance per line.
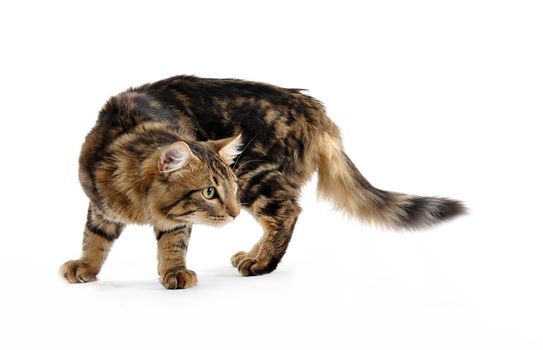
(187,150)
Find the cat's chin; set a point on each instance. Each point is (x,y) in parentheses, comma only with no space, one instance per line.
(213,223)
(217,223)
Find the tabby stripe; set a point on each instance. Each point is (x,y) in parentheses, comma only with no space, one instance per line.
(149,140)
(258,177)
(181,244)
(183,197)
(188,212)
(178,229)
(98,231)
(220,169)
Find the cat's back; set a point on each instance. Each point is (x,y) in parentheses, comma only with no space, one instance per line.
(278,125)
(203,89)
(218,108)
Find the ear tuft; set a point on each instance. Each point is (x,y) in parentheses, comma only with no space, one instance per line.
(227,148)
(174,157)
(231,150)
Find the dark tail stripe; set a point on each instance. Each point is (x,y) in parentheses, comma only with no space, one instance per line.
(422,211)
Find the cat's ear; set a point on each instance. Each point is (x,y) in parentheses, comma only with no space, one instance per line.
(227,148)
(174,157)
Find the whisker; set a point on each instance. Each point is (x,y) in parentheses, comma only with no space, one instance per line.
(247,162)
(247,145)
(243,172)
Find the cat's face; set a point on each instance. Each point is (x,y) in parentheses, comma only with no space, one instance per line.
(196,183)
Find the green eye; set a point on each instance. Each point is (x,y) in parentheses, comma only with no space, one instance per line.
(208,192)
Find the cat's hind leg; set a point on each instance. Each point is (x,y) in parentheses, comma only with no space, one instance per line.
(273,202)
(98,237)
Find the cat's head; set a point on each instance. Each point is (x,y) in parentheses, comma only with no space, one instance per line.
(195,182)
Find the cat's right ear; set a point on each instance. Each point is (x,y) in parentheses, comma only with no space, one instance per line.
(174,157)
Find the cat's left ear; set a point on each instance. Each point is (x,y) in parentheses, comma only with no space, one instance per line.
(227,148)
(174,157)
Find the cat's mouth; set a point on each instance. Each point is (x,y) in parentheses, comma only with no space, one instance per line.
(218,220)
(211,220)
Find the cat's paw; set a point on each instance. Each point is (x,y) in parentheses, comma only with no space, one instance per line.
(248,266)
(179,278)
(76,271)
(238,257)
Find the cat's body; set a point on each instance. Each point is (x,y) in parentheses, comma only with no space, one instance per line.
(149,160)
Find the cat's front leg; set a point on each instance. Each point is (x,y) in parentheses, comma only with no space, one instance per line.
(172,249)
(98,237)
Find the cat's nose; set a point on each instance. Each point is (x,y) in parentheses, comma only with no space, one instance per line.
(233,212)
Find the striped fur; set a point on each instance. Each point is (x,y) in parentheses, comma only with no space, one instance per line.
(155,148)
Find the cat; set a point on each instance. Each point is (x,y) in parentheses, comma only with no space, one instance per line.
(189,150)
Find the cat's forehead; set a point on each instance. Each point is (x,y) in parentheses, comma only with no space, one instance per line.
(214,164)
(220,171)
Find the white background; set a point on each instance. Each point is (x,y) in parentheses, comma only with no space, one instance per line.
(433,97)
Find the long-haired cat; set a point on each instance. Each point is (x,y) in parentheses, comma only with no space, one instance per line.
(187,150)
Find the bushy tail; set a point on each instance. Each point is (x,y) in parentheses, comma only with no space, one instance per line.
(342,184)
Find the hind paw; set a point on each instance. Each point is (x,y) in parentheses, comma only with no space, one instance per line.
(249,266)
(238,257)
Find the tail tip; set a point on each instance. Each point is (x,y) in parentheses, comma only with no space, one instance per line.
(421,212)
(450,209)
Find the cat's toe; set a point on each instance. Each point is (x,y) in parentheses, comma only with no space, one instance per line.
(255,267)
(75,271)
(179,279)
(238,257)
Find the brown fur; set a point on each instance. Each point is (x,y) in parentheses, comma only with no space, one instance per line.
(155,148)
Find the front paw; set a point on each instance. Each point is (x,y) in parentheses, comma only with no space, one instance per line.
(248,266)
(179,278)
(76,271)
